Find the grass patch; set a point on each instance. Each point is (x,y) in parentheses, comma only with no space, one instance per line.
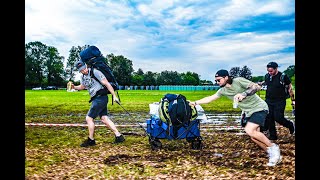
(43,105)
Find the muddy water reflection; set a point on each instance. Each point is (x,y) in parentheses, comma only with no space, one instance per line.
(206,118)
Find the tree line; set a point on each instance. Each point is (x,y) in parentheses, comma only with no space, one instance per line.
(44,66)
(245,72)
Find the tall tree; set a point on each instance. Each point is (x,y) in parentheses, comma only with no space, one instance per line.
(190,78)
(196,77)
(150,78)
(70,70)
(169,78)
(139,72)
(54,67)
(34,63)
(235,71)
(122,68)
(138,78)
(290,71)
(44,65)
(245,72)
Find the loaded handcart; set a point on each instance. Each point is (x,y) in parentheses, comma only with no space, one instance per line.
(158,128)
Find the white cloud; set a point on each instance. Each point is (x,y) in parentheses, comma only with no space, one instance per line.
(174,43)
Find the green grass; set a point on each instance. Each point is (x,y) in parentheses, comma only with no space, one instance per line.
(61,102)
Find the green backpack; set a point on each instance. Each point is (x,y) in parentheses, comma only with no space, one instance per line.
(174,109)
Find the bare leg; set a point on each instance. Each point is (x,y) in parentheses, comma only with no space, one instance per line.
(90,127)
(106,120)
(259,138)
(262,145)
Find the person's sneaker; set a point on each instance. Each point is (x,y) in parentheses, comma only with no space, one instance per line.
(273,161)
(119,139)
(292,128)
(274,155)
(88,142)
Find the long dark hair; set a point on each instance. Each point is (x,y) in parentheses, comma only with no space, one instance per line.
(230,79)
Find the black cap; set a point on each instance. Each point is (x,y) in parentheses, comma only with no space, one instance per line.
(222,73)
(272,65)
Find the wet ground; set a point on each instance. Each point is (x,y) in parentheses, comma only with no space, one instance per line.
(224,155)
(209,118)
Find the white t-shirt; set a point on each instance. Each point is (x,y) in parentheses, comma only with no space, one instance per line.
(91,84)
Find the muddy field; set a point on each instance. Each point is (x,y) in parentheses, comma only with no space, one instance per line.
(225,155)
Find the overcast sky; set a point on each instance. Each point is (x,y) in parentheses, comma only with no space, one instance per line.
(176,35)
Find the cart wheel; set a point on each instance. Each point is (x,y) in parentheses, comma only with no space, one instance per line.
(197,144)
(155,143)
(189,140)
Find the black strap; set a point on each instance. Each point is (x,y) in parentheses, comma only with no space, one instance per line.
(93,76)
(101,92)
(111,100)
(118,95)
(116,91)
